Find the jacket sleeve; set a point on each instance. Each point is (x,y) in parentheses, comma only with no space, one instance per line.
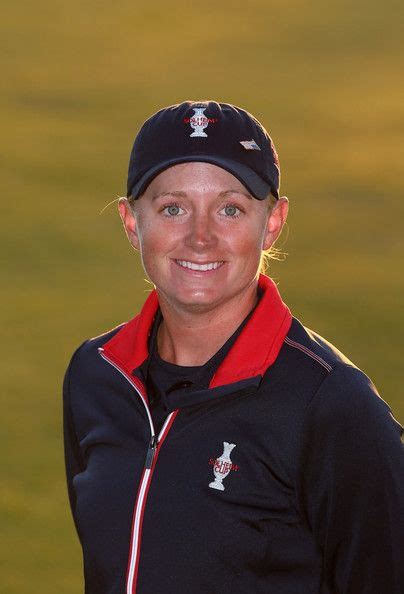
(350,485)
(74,463)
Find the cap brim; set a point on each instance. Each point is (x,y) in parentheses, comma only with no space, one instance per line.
(259,188)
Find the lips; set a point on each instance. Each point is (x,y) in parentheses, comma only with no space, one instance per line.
(200,267)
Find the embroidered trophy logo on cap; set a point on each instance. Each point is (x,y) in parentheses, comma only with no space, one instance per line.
(198,122)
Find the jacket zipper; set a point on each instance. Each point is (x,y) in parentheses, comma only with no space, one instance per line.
(143,488)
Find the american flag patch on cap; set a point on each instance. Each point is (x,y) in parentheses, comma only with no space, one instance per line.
(250,145)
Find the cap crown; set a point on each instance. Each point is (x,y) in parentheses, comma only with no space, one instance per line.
(218,133)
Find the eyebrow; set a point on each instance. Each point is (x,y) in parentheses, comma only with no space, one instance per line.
(180,194)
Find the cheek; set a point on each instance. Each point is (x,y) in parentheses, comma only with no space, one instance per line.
(155,243)
(248,241)
(150,236)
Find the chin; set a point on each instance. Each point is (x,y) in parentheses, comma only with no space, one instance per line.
(198,301)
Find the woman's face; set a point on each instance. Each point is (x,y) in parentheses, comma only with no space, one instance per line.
(200,235)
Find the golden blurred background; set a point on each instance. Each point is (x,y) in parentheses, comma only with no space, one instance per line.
(78,79)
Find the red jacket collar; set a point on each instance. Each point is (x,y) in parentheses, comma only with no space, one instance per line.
(254,351)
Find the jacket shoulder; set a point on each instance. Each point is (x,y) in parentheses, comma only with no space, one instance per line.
(314,347)
(87,351)
(319,366)
(345,390)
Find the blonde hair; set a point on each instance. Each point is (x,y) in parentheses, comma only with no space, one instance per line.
(272,253)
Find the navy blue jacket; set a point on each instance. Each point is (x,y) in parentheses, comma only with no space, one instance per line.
(285,476)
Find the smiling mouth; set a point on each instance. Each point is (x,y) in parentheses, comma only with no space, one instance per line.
(200,267)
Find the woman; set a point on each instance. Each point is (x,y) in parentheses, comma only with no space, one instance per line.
(214,444)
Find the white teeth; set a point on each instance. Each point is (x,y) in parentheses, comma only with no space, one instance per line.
(193,266)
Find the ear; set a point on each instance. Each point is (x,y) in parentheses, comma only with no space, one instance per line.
(129,222)
(275,222)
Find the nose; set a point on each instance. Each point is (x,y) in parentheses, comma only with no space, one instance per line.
(202,234)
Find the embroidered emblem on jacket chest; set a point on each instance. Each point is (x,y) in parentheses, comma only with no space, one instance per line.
(222,466)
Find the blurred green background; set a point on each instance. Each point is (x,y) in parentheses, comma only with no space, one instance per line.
(78,79)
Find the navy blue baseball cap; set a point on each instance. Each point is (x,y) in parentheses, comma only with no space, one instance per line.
(218,133)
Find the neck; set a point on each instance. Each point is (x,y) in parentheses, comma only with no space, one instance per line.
(187,338)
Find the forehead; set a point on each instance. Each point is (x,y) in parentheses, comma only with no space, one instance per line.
(195,177)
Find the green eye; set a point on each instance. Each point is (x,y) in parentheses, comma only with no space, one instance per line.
(172,210)
(231,210)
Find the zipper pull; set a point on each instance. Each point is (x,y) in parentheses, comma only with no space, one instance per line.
(151,450)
